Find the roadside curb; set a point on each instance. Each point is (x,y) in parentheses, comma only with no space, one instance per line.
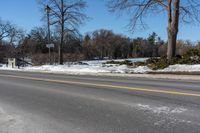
(176,73)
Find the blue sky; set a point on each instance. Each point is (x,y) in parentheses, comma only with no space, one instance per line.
(27,14)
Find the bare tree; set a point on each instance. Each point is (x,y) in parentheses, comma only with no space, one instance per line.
(5,28)
(10,32)
(67,15)
(185,10)
(15,35)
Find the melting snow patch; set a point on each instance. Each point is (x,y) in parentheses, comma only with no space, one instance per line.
(163,110)
(161,122)
(9,123)
(178,110)
(166,113)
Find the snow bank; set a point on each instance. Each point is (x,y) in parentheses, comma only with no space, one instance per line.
(182,68)
(98,67)
(87,69)
(68,69)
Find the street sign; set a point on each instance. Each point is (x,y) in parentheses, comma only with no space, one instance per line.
(50,45)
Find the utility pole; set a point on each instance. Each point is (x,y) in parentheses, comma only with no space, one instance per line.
(48,9)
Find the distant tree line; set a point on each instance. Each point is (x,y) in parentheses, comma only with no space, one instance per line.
(100,44)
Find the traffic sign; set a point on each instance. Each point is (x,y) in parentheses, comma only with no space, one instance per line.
(50,45)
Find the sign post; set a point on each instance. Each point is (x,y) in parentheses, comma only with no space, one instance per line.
(50,46)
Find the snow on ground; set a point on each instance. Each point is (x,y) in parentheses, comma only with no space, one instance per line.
(98,67)
(182,68)
(86,67)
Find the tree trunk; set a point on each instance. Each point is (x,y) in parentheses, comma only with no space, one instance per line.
(171,52)
(173,25)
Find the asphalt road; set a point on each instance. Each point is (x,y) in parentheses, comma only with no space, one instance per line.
(49,103)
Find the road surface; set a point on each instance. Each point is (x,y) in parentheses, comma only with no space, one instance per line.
(50,103)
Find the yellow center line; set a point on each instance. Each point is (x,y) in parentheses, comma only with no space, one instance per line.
(105,86)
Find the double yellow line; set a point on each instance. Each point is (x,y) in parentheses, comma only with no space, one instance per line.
(104,86)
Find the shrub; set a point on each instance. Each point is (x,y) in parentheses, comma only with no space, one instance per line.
(125,62)
(40,59)
(140,63)
(191,57)
(157,63)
